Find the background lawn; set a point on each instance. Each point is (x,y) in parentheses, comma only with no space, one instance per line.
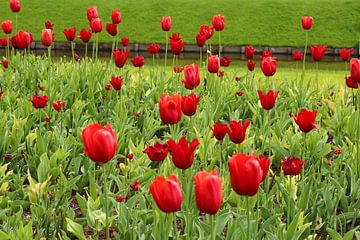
(261,22)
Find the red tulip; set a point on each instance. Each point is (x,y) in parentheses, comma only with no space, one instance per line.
(4,42)
(246,174)
(220,73)
(189,103)
(39,101)
(138,61)
(292,165)
(58,105)
(116,16)
(225,61)
(207,31)
(351,83)
(265,165)
(178,69)
(297,56)
(265,54)
(249,52)
(175,37)
(220,130)
(237,131)
(47,37)
(49,25)
(268,100)
(176,44)
(6,26)
(218,22)
(125,41)
(70,34)
(96,25)
(213,64)
(268,66)
(120,199)
(158,152)
(346,53)
(15,5)
(167,193)
(108,87)
(120,57)
(85,35)
(5,64)
(100,142)
(251,65)
(21,40)
(153,48)
(317,52)
(239,93)
(192,77)
(200,40)
(116,82)
(182,152)
(305,119)
(92,13)
(170,108)
(355,69)
(135,186)
(208,192)
(166,23)
(111,28)
(307,22)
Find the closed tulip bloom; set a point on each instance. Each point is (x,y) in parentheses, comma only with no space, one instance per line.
(292,165)
(138,61)
(5,64)
(125,41)
(85,36)
(192,77)
(218,22)
(355,69)
(92,13)
(111,29)
(116,82)
(47,37)
(170,108)
(237,131)
(167,193)
(268,100)
(265,165)
(166,23)
(120,57)
(297,56)
(189,104)
(249,52)
(178,69)
(207,31)
(200,40)
(251,65)
(21,40)
(265,54)
(213,64)
(351,83)
(176,46)
(15,6)
(182,152)
(157,152)
(346,53)
(100,142)
(39,101)
(58,105)
(96,25)
(49,25)
(116,16)
(246,174)
(306,120)
(153,48)
(208,191)
(220,130)
(70,33)
(307,22)
(268,66)
(318,52)
(4,42)
(225,61)
(6,26)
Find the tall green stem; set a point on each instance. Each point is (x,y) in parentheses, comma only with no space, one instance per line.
(288,205)
(166,47)
(248,217)
(304,58)
(219,45)
(213,226)
(86,50)
(200,61)
(97,46)
(72,50)
(106,202)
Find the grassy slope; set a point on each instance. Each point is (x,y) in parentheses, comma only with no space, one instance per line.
(261,22)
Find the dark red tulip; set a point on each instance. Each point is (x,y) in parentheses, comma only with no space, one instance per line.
(307,22)
(100,142)
(21,40)
(135,185)
(108,87)
(268,100)
(237,79)
(207,31)
(4,42)
(175,37)
(346,53)
(220,73)
(265,54)
(208,191)
(218,22)
(6,26)
(297,56)
(15,6)
(5,64)
(92,13)
(131,156)
(120,57)
(170,108)
(317,52)
(265,165)
(213,64)
(189,104)
(355,69)
(70,34)
(176,44)
(292,165)
(249,52)
(120,199)
(237,131)
(96,25)
(251,65)
(85,35)
(166,23)
(182,152)
(220,130)
(39,101)
(153,48)
(157,152)
(47,37)
(49,25)
(116,82)
(351,83)
(246,174)
(306,120)
(178,69)
(58,105)
(239,93)
(116,16)
(138,61)
(46,119)
(111,28)
(192,77)
(125,41)
(268,66)
(225,61)
(200,40)
(167,193)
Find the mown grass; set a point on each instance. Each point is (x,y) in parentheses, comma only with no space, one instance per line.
(262,22)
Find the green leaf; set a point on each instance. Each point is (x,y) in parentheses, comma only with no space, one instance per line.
(75,228)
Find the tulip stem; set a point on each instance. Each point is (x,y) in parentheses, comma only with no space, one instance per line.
(72,50)
(49,53)
(200,61)
(248,217)
(106,202)
(317,75)
(288,205)
(213,226)
(86,50)
(219,44)
(97,46)
(166,47)
(304,59)
(16,22)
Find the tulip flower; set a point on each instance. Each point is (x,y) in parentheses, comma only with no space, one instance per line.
(92,13)
(111,29)
(15,6)
(355,69)
(108,87)
(317,52)
(307,22)
(49,25)
(170,108)
(138,61)
(21,40)
(208,191)
(351,83)
(47,37)
(176,45)
(297,56)
(4,42)
(265,165)
(251,65)
(96,25)
(213,64)
(116,82)
(120,57)
(135,185)
(85,36)
(5,64)
(120,199)
(125,41)
(192,77)
(207,31)
(268,100)
(292,165)
(237,131)
(158,152)
(116,16)
(249,52)
(218,22)
(70,34)
(58,105)
(265,54)
(200,40)
(39,101)
(239,93)
(225,61)
(178,69)
(220,130)
(189,104)
(182,152)
(305,120)
(167,193)
(166,23)
(6,26)
(346,53)
(153,48)
(268,66)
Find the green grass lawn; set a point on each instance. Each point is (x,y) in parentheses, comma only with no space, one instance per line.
(262,22)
